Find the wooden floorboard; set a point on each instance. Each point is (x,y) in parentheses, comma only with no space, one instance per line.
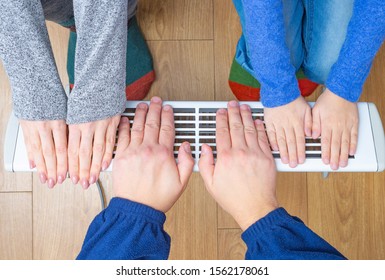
(193,44)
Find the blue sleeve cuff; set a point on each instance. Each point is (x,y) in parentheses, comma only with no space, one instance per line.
(260,227)
(128,207)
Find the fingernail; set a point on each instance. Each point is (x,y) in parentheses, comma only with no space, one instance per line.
(85,184)
(343,163)
(60,179)
(314,135)
(301,160)
(75,179)
(222,111)
(92,179)
(156,99)
(245,107)
(293,164)
(32,164)
(124,120)
(167,108)
(285,160)
(334,166)
(51,183)
(142,105)
(104,165)
(258,122)
(325,160)
(233,103)
(187,148)
(43,178)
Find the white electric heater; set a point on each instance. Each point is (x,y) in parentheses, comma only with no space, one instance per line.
(195,123)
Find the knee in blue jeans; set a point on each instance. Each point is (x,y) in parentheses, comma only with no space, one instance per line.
(319,70)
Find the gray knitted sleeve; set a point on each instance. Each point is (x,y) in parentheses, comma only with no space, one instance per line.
(100,60)
(27,57)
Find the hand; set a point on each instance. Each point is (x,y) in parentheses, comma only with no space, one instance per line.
(286,128)
(46,143)
(243,179)
(90,149)
(144,167)
(336,120)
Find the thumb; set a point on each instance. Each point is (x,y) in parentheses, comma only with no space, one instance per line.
(185,163)
(206,164)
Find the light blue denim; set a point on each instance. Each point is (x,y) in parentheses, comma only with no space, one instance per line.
(315,31)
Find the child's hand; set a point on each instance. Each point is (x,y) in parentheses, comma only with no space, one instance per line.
(144,167)
(286,127)
(46,144)
(243,179)
(336,120)
(90,149)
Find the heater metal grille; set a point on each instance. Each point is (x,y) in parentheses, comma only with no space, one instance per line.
(195,123)
(197,126)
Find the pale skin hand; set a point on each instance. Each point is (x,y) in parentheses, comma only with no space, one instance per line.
(286,128)
(90,149)
(46,144)
(144,167)
(243,179)
(336,121)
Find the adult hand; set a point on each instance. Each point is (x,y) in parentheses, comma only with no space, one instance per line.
(286,128)
(144,167)
(46,144)
(336,120)
(90,149)
(243,179)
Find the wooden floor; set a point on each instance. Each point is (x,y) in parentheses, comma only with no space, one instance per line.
(193,42)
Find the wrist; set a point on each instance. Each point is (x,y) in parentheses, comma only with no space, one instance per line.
(248,219)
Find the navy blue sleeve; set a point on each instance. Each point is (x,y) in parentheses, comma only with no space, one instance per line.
(126,230)
(279,236)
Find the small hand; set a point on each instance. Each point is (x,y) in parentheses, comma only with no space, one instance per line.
(90,149)
(243,179)
(336,121)
(144,167)
(286,128)
(46,144)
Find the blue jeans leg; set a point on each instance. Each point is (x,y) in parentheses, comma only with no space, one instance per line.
(324,32)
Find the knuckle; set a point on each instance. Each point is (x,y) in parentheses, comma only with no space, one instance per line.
(147,152)
(61,150)
(250,130)
(167,128)
(36,146)
(110,140)
(223,130)
(236,126)
(138,128)
(84,152)
(98,148)
(48,152)
(152,124)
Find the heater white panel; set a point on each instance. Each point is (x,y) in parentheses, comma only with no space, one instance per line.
(195,122)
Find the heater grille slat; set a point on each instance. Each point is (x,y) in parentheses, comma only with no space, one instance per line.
(198,126)
(195,123)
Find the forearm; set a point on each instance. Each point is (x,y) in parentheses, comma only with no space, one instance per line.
(281,236)
(264,31)
(126,230)
(27,56)
(99,90)
(366,32)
